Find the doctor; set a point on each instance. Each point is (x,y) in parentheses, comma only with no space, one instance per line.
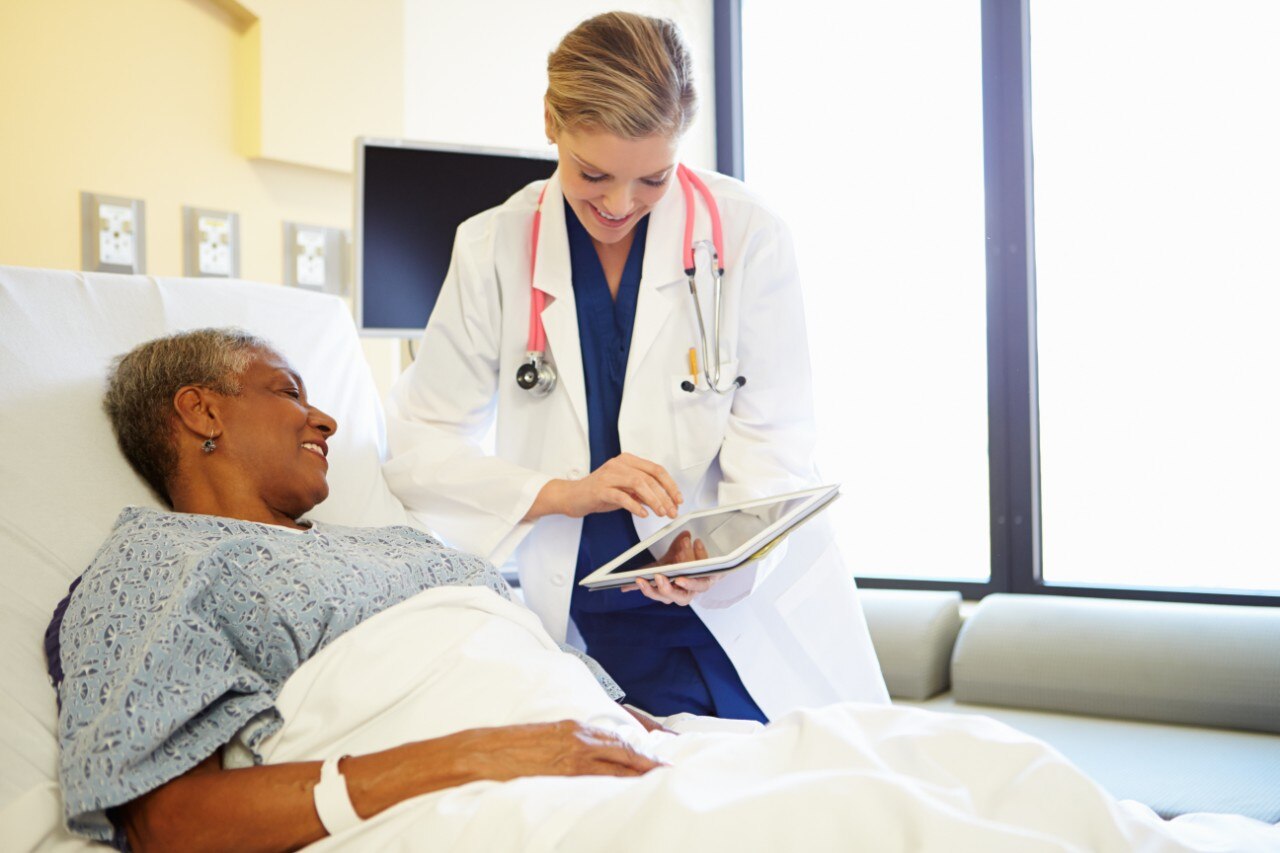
(568,312)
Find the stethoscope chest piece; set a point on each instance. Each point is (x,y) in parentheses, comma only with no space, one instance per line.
(536,375)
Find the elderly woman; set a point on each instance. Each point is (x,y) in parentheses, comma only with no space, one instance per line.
(211,653)
(178,638)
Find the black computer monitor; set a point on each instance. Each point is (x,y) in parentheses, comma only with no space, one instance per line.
(410,199)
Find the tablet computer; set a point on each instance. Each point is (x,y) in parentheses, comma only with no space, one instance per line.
(733,535)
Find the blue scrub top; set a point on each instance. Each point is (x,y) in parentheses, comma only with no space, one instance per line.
(662,655)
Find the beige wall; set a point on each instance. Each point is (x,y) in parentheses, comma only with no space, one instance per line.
(475,72)
(252,106)
(136,98)
(329,70)
(155,99)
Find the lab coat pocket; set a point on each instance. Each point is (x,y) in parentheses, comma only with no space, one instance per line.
(701,416)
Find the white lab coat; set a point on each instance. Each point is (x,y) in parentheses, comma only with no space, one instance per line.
(792,625)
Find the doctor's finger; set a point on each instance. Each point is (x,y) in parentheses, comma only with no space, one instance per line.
(682,551)
(621,499)
(650,488)
(695,585)
(673,593)
(678,552)
(650,590)
(653,469)
(651,493)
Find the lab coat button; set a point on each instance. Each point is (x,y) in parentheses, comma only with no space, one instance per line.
(558,579)
(576,472)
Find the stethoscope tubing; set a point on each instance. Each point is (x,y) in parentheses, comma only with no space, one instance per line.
(537,374)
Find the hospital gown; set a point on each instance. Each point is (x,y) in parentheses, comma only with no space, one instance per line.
(180,635)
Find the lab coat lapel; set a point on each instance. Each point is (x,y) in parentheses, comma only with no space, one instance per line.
(554,276)
(662,272)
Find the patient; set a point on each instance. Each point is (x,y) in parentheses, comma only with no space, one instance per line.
(183,630)
(178,730)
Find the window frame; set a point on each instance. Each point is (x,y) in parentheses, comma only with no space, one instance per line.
(1012,392)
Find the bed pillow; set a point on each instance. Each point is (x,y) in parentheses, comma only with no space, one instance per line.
(62,479)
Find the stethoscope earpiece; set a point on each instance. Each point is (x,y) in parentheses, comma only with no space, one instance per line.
(690,387)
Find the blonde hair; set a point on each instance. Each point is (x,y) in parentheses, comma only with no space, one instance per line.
(629,75)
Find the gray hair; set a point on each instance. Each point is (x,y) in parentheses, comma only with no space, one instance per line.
(141,385)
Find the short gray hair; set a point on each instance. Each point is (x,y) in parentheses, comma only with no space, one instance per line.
(141,385)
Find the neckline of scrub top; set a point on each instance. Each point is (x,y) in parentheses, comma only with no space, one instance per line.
(612,318)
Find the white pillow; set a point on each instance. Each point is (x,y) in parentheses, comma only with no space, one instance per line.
(63,481)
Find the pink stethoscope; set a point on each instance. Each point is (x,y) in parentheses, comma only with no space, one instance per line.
(538,376)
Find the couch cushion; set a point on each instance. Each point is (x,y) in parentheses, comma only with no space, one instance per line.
(1175,770)
(913,632)
(1199,664)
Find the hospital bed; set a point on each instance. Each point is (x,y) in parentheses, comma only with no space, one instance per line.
(62,480)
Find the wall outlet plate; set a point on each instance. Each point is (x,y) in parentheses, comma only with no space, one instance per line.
(211,243)
(315,257)
(113,233)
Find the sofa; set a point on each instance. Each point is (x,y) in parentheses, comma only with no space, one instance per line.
(1174,705)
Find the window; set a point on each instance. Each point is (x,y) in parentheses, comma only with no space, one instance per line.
(1158,291)
(877,169)
(1119,355)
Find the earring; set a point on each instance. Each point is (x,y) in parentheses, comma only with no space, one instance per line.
(209,445)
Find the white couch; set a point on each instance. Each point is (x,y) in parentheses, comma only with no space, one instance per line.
(1174,705)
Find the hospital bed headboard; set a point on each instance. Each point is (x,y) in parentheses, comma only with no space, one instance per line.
(62,480)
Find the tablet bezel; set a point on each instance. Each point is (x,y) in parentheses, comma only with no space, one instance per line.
(605,578)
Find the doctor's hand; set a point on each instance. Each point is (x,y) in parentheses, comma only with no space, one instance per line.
(624,482)
(681,591)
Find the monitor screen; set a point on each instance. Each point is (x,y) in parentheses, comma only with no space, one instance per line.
(411,200)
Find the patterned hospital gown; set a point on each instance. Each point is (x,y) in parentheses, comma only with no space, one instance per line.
(182,632)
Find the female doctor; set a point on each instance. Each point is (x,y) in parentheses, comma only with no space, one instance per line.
(570,312)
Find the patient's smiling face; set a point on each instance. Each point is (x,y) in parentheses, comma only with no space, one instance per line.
(273,443)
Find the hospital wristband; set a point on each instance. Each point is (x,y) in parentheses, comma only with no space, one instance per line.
(333,801)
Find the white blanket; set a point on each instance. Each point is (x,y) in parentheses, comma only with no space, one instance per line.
(838,778)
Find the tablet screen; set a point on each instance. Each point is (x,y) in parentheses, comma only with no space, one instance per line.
(725,532)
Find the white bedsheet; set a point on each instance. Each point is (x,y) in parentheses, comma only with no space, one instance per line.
(837,778)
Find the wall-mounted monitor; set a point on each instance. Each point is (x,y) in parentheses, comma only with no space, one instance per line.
(410,199)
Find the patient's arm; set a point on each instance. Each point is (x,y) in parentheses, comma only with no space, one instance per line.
(270,808)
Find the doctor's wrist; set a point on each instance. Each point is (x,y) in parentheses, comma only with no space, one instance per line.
(552,499)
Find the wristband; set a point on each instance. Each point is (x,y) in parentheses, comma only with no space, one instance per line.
(333,801)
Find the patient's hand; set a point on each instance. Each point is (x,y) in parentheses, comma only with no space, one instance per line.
(270,807)
(566,748)
(680,591)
